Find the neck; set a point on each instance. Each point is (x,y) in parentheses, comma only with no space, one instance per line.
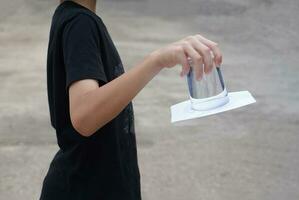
(89,4)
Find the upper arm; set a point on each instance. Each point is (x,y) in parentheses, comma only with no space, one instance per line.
(82,60)
(80,88)
(77,90)
(81,50)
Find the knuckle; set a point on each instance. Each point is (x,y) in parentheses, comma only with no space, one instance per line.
(197,58)
(185,43)
(206,51)
(178,49)
(191,38)
(214,45)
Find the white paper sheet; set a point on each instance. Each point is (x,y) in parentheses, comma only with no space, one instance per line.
(183,111)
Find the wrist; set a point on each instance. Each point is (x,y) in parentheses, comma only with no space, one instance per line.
(153,60)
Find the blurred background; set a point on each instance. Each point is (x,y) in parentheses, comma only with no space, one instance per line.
(250,153)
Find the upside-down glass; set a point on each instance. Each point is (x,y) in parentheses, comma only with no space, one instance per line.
(209,92)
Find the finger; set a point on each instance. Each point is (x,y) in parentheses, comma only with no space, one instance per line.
(214,47)
(182,59)
(189,62)
(199,70)
(196,60)
(205,52)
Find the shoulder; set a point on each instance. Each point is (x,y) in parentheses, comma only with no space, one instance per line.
(82,25)
(83,20)
(69,14)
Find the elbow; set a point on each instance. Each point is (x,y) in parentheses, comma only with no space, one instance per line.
(80,127)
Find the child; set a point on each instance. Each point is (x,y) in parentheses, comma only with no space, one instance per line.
(89,97)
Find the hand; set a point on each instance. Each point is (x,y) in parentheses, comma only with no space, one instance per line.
(203,53)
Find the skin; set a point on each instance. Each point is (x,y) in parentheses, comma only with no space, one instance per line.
(106,101)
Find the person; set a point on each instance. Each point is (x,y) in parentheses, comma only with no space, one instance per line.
(89,96)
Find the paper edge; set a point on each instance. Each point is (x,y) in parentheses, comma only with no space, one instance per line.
(175,122)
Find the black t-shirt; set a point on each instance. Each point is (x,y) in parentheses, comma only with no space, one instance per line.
(103,166)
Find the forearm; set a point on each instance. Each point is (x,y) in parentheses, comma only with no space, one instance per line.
(98,106)
(101,105)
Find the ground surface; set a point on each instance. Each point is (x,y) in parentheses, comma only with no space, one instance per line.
(249,154)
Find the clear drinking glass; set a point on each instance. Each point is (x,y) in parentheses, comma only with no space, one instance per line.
(209,92)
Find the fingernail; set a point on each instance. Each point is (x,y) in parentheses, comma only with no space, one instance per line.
(198,78)
(206,71)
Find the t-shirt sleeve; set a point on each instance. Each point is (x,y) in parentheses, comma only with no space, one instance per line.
(81,51)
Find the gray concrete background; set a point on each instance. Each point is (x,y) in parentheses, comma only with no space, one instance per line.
(249,153)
